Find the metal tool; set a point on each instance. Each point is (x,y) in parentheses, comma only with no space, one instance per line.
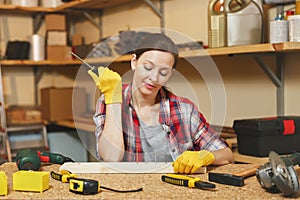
(276,176)
(94,69)
(29,159)
(187,181)
(236,179)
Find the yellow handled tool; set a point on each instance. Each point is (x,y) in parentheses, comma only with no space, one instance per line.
(187,181)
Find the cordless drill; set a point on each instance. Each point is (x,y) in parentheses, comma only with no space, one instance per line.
(29,159)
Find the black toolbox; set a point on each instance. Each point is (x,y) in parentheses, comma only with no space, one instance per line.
(257,137)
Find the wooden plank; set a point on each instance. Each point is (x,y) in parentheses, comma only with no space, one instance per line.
(287,46)
(249,159)
(39,63)
(78,4)
(121,167)
(7,7)
(99,4)
(255,48)
(78,125)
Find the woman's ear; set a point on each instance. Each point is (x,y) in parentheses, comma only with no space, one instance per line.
(133,61)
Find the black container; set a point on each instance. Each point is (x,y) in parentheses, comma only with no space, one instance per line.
(257,137)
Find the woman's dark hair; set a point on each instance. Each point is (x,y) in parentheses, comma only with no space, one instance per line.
(157,41)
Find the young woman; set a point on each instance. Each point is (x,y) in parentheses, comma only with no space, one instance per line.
(144,121)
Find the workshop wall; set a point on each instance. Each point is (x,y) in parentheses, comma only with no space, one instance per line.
(249,92)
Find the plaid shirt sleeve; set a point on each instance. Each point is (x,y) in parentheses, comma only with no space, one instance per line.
(204,136)
(99,119)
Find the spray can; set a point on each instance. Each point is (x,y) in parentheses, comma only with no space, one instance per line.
(216,24)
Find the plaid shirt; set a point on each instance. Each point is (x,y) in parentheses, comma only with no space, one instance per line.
(186,127)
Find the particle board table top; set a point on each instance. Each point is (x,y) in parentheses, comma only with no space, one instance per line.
(153,187)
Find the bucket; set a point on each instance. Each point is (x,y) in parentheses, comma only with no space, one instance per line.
(244,22)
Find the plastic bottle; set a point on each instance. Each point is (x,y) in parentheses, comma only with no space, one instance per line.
(216,24)
(279,30)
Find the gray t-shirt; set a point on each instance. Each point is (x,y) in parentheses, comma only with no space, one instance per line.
(154,143)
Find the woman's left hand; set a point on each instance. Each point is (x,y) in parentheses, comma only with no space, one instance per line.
(190,161)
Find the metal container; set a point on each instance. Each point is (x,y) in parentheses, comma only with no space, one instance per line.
(244,22)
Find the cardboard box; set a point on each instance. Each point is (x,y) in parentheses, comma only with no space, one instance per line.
(56,38)
(57,103)
(58,53)
(77,39)
(18,115)
(55,22)
(257,137)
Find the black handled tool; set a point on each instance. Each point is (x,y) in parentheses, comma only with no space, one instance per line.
(236,179)
(82,185)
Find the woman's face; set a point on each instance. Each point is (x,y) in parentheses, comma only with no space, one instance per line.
(151,71)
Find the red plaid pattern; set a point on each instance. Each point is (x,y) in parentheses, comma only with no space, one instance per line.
(186,126)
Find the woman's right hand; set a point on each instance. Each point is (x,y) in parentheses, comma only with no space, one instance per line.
(109,83)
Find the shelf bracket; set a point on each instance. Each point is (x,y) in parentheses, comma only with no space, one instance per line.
(159,12)
(277,79)
(98,25)
(38,72)
(37,22)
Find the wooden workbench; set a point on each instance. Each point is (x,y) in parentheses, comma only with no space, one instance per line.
(153,187)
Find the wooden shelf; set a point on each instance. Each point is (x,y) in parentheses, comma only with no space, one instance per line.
(77,5)
(255,48)
(92,4)
(38,63)
(287,46)
(125,58)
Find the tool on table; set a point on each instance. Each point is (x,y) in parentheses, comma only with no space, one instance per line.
(3,183)
(279,174)
(29,159)
(94,69)
(83,186)
(31,181)
(236,179)
(187,181)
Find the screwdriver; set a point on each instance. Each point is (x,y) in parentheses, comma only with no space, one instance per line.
(94,69)
(187,181)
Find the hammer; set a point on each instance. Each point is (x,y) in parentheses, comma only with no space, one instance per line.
(236,179)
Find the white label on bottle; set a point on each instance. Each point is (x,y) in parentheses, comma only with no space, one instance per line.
(294,28)
(217,32)
(278,31)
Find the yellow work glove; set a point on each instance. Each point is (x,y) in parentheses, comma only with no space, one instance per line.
(190,161)
(109,83)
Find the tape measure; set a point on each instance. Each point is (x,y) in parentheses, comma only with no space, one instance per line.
(83,186)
